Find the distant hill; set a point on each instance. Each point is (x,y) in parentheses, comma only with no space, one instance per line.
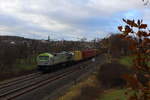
(13,38)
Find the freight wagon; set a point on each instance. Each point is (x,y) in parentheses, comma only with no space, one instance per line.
(86,54)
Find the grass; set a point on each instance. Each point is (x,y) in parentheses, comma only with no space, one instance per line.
(128,61)
(113,94)
(25,64)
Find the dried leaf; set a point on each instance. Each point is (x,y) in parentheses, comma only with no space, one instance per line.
(135,25)
(143,26)
(147,76)
(132,23)
(148,51)
(132,81)
(127,29)
(147,40)
(120,28)
(122,36)
(132,47)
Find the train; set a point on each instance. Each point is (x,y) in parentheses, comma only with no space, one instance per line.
(49,62)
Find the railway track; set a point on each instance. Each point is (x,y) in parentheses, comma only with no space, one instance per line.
(17,87)
(19,80)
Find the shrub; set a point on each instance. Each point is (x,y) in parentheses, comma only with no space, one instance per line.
(110,75)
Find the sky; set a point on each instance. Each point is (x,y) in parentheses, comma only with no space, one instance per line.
(68,19)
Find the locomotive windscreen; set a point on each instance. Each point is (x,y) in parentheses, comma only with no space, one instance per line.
(43,57)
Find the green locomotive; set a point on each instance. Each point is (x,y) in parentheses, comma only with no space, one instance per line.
(48,62)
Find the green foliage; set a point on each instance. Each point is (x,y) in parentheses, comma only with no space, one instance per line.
(115,94)
(25,64)
(127,61)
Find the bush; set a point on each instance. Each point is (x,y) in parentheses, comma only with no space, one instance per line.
(110,75)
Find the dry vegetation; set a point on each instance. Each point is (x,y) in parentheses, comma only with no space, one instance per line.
(85,90)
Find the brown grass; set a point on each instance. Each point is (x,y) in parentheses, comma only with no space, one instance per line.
(86,90)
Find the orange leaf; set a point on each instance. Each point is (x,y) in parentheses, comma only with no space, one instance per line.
(132,80)
(148,51)
(132,47)
(147,40)
(139,33)
(120,28)
(129,22)
(147,75)
(121,36)
(143,33)
(127,29)
(135,25)
(143,26)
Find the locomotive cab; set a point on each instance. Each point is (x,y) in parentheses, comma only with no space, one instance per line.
(44,60)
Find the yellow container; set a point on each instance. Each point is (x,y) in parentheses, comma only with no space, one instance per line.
(77,55)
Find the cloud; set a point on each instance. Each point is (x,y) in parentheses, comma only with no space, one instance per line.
(67,19)
(113,6)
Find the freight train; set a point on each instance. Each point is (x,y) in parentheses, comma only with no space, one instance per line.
(50,62)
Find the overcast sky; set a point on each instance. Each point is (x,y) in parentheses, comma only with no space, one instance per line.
(67,19)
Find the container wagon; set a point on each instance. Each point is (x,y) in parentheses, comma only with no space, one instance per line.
(86,54)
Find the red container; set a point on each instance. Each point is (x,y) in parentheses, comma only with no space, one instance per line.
(88,53)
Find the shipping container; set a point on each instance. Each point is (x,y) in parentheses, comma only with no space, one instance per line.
(77,55)
(88,53)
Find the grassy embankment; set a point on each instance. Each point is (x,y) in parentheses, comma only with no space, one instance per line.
(113,94)
(76,91)
(127,61)
(25,64)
